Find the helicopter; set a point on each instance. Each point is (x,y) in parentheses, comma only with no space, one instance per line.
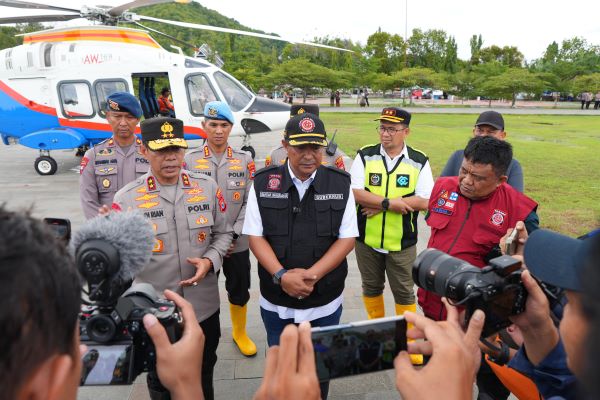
(53,87)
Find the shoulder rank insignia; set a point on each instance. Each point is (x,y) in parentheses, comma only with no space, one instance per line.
(267,161)
(185,179)
(339,162)
(151,182)
(138,141)
(229,152)
(111,142)
(206,151)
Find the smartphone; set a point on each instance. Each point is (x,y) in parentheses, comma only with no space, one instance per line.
(358,347)
(108,365)
(60,227)
(510,246)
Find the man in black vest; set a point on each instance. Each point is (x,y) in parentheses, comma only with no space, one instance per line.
(301,221)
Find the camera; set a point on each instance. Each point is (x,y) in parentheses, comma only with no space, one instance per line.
(119,348)
(496,289)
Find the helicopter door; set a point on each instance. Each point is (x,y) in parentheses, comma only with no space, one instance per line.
(148,88)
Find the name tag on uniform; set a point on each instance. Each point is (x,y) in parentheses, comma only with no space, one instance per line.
(329,196)
(273,195)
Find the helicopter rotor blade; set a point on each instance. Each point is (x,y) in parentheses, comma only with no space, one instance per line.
(233,31)
(30,5)
(118,10)
(38,18)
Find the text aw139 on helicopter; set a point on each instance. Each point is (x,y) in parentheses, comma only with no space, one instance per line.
(53,87)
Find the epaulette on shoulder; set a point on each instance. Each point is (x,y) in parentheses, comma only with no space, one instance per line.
(265,169)
(337,170)
(196,174)
(139,181)
(102,142)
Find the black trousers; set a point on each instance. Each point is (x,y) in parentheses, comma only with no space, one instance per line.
(212,332)
(236,268)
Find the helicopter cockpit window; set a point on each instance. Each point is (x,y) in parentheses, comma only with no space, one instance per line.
(235,94)
(106,87)
(76,99)
(200,92)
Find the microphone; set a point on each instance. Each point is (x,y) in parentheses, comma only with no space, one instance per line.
(111,250)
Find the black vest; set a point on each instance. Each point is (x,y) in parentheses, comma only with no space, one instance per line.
(301,232)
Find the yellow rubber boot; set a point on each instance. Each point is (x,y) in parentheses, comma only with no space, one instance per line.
(417,359)
(375,307)
(240,337)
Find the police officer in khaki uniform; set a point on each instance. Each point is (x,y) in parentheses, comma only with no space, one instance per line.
(233,170)
(332,157)
(113,163)
(188,212)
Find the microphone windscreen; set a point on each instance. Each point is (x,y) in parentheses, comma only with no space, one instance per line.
(128,231)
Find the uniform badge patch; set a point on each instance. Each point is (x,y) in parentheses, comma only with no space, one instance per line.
(375,179)
(196,199)
(453,196)
(497,217)
(236,196)
(202,166)
(339,162)
(235,168)
(141,190)
(158,246)
(441,202)
(267,161)
(274,182)
(167,131)
(402,180)
(185,179)
(441,211)
(151,183)
(106,170)
(83,164)
(116,207)
(106,183)
(146,197)
(235,161)
(444,194)
(221,201)
(113,105)
(201,236)
(149,204)
(201,220)
(105,152)
(251,169)
(307,125)
(194,191)
(212,112)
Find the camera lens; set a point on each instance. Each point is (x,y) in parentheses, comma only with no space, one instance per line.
(101,328)
(443,274)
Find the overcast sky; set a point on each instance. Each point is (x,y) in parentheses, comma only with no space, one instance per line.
(528,24)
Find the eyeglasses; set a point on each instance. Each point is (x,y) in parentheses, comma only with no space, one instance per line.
(390,131)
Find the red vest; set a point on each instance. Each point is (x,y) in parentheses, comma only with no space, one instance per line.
(469,229)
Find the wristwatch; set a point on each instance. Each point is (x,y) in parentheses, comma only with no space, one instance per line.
(385,204)
(278,275)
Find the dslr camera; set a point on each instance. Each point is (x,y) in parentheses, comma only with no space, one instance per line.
(496,289)
(111,323)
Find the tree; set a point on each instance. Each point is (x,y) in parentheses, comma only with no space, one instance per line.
(462,84)
(513,82)
(507,55)
(587,83)
(476,42)
(301,73)
(410,77)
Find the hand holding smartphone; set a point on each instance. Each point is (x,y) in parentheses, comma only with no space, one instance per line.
(358,347)
(511,243)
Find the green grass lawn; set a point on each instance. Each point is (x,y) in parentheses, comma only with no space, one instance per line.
(560,156)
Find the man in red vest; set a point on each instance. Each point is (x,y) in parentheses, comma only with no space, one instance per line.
(469,213)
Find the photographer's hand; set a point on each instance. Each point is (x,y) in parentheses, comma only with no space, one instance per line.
(203,266)
(454,354)
(521,238)
(540,335)
(290,369)
(183,383)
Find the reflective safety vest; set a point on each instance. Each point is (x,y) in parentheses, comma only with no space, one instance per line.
(389,230)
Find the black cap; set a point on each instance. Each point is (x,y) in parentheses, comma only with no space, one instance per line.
(491,118)
(305,128)
(395,115)
(297,109)
(162,132)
